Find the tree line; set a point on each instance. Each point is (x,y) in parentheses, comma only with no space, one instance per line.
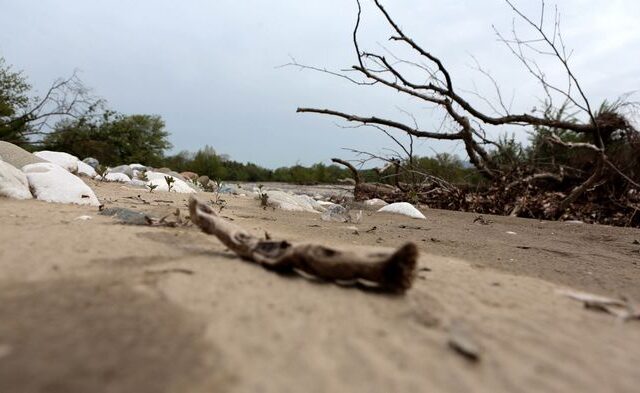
(68,119)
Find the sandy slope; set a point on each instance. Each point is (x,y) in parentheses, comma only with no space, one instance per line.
(101,307)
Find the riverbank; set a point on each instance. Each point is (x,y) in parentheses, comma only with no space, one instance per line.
(88,304)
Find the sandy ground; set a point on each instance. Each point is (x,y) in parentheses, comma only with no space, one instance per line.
(96,306)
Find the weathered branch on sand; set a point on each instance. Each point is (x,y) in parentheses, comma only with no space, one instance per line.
(363,191)
(392,270)
(354,171)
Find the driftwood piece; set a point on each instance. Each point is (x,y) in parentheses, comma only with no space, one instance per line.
(621,308)
(354,171)
(362,190)
(392,270)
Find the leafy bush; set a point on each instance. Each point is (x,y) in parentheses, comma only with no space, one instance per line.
(113,139)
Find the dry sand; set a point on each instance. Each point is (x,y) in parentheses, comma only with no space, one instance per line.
(95,306)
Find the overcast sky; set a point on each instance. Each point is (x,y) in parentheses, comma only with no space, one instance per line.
(209,68)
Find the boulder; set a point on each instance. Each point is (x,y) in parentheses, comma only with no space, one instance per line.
(138,167)
(228,189)
(336,213)
(375,202)
(115,177)
(86,169)
(403,208)
(126,169)
(204,180)
(138,183)
(177,175)
(17,156)
(170,172)
(13,182)
(65,160)
(50,182)
(164,170)
(158,179)
(190,175)
(126,216)
(317,206)
(92,162)
(290,202)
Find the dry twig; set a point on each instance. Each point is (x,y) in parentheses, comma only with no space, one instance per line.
(390,270)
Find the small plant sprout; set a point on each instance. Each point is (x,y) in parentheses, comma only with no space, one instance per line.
(218,184)
(217,201)
(170,180)
(142,175)
(152,187)
(101,171)
(264,198)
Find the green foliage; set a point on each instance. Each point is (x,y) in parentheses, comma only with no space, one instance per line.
(448,167)
(206,161)
(170,180)
(179,162)
(217,202)
(142,175)
(25,117)
(113,139)
(508,153)
(14,102)
(545,155)
(137,138)
(101,170)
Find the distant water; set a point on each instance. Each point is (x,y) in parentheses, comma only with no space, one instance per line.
(326,190)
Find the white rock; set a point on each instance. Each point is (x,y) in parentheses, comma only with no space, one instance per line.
(51,183)
(137,183)
(115,176)
(91,162)
(86,169)
(290,202)
(13,182)
(17,156)
(65,160)
(251,194)
(375,202)
(157,178)
(403,208)
(138,167)
(126,169)
(336,213)
(317,206)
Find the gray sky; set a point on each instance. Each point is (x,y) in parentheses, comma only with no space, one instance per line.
(209,67)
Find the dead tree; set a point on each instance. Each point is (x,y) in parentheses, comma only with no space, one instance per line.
(65,98)
(440,89)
